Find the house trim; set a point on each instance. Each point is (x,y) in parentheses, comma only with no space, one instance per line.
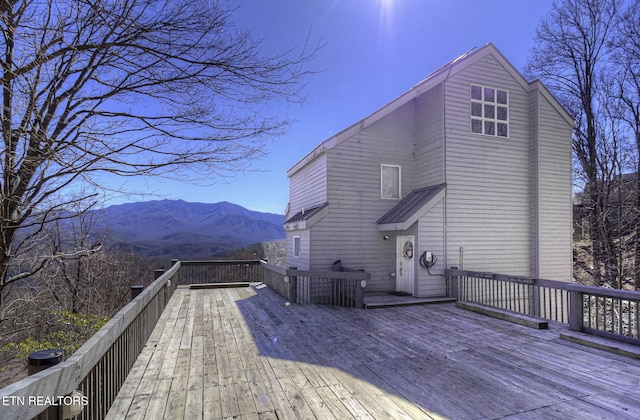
(537,85)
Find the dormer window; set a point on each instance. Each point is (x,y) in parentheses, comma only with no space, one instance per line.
(489,111)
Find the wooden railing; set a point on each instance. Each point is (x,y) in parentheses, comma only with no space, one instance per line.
(98,368)
(611,313)
(601,311)
(275,277)
(547,299)
(219,271)
(336,288)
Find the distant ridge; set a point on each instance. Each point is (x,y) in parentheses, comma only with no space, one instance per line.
(183,230)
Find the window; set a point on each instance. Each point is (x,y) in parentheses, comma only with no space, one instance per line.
(390,182)
(489,111)
(296,246)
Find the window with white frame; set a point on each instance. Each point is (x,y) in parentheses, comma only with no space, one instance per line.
(489,111)
(296,246)
(390,182)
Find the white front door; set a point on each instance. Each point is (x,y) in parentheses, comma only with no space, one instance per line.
(405,267)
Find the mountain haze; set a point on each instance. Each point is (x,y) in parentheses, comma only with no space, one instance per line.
(178,229)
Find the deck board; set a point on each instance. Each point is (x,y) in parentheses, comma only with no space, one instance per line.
(243,353)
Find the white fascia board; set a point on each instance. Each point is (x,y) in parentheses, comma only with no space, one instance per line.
(537,85)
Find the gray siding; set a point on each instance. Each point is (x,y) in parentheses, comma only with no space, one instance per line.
(487,177)
(431,238)
(308,187)
(301,262)
(430,138)
(349,231)
(553,254)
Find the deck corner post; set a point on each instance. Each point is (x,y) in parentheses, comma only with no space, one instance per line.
(535,299)
(178,276)
(359,303)
(576,310)
(39,361)
(453,284)
(157,273)
(293,286)
(135,290)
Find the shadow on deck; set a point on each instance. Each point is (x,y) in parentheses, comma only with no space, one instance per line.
(244,352)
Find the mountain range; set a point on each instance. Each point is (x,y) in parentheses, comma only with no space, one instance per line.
(183,230)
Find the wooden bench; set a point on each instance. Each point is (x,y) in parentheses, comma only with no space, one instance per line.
(219,285)
(527,320)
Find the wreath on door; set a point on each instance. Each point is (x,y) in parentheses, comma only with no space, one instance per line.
(407,250)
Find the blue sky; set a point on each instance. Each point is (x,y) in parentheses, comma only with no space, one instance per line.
(374,51)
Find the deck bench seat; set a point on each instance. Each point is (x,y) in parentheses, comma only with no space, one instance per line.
(527,320)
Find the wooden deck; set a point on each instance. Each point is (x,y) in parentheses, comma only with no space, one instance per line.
(244,353)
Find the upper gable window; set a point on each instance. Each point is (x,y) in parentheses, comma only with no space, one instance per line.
(489,111)
(390,181)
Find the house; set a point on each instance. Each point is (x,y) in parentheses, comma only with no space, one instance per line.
(470,168)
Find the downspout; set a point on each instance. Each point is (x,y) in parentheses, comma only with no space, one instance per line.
(444,165)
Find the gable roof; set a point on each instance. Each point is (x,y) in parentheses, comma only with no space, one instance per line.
(434,79)
(411,208)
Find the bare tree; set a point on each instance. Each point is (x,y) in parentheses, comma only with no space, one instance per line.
(84,277)
(570,56)
(626,56)
(130,87)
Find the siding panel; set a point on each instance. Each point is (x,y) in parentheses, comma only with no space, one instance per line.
(488,211)
(301,262)
(431,238)
(349,232)
(308,187)
(554,253)
(430,138)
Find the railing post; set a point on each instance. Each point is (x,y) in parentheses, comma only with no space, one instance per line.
(453,285)
(360,293)
(39,361)
(136,290)
(576,310)
(535,299)
(157,273)
(178,277)
(293,287)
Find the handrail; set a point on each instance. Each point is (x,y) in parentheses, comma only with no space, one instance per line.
(345,275)
(604,291)
(612,313)
(62,379)
(219,271)
(542,298)
(336,288)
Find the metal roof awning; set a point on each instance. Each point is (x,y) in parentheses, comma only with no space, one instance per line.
(305,218)
(411,208)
